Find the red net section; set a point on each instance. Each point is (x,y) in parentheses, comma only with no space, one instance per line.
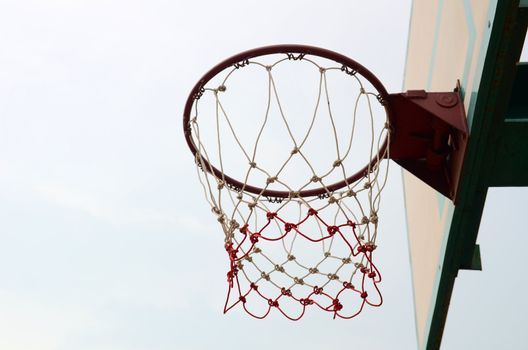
(241,288)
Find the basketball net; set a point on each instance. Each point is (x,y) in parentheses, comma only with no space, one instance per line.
(287,249)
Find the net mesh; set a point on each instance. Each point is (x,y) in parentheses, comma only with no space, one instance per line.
(291,252)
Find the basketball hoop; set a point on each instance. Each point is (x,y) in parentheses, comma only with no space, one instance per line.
(292,168)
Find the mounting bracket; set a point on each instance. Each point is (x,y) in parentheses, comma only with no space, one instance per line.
(429,136)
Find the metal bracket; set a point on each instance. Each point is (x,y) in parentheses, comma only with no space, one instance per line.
(429,136)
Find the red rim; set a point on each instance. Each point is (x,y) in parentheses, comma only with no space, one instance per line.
(284,49)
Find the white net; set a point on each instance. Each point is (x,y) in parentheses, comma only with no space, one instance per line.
(288,127)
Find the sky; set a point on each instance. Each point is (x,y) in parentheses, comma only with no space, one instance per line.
(106,241)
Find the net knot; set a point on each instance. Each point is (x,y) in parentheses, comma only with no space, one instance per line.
(240,266)
(252,205)
(244,229)
(293,194)
(286,292)
(234,271)
(271,215)
(229,236)
(313,270)
(364,295)
(271,180)
(346,260)
(265,276)
(221,88)
(289,226)
(361,90)
(317,290)
(332,199)
(364,220)
(216,210)
(337,163)
(291,257)
(232,252)
(220,185)
(312,212)
(253,286)
(364,269)
(279,268)
(372,274)
(295,150)
(315,178)
(233,224)
(257,250)
(254,238)
(367,185)
(253,164)
(272,302)
(351,223)
(370,247)
(361,249)
(242,299)
(327,254)
(299,281)
(230,277)
(373,218)
(337,305)
(351,193)
(306,302)
(268,68)
(322,70)
(332,276)
(348,285)
(248,258)
(332,230)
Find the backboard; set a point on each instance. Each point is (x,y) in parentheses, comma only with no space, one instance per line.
(478,43)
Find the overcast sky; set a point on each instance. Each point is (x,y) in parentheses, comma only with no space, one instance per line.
(105,240)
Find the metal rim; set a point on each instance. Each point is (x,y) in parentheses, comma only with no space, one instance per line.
(284,49)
